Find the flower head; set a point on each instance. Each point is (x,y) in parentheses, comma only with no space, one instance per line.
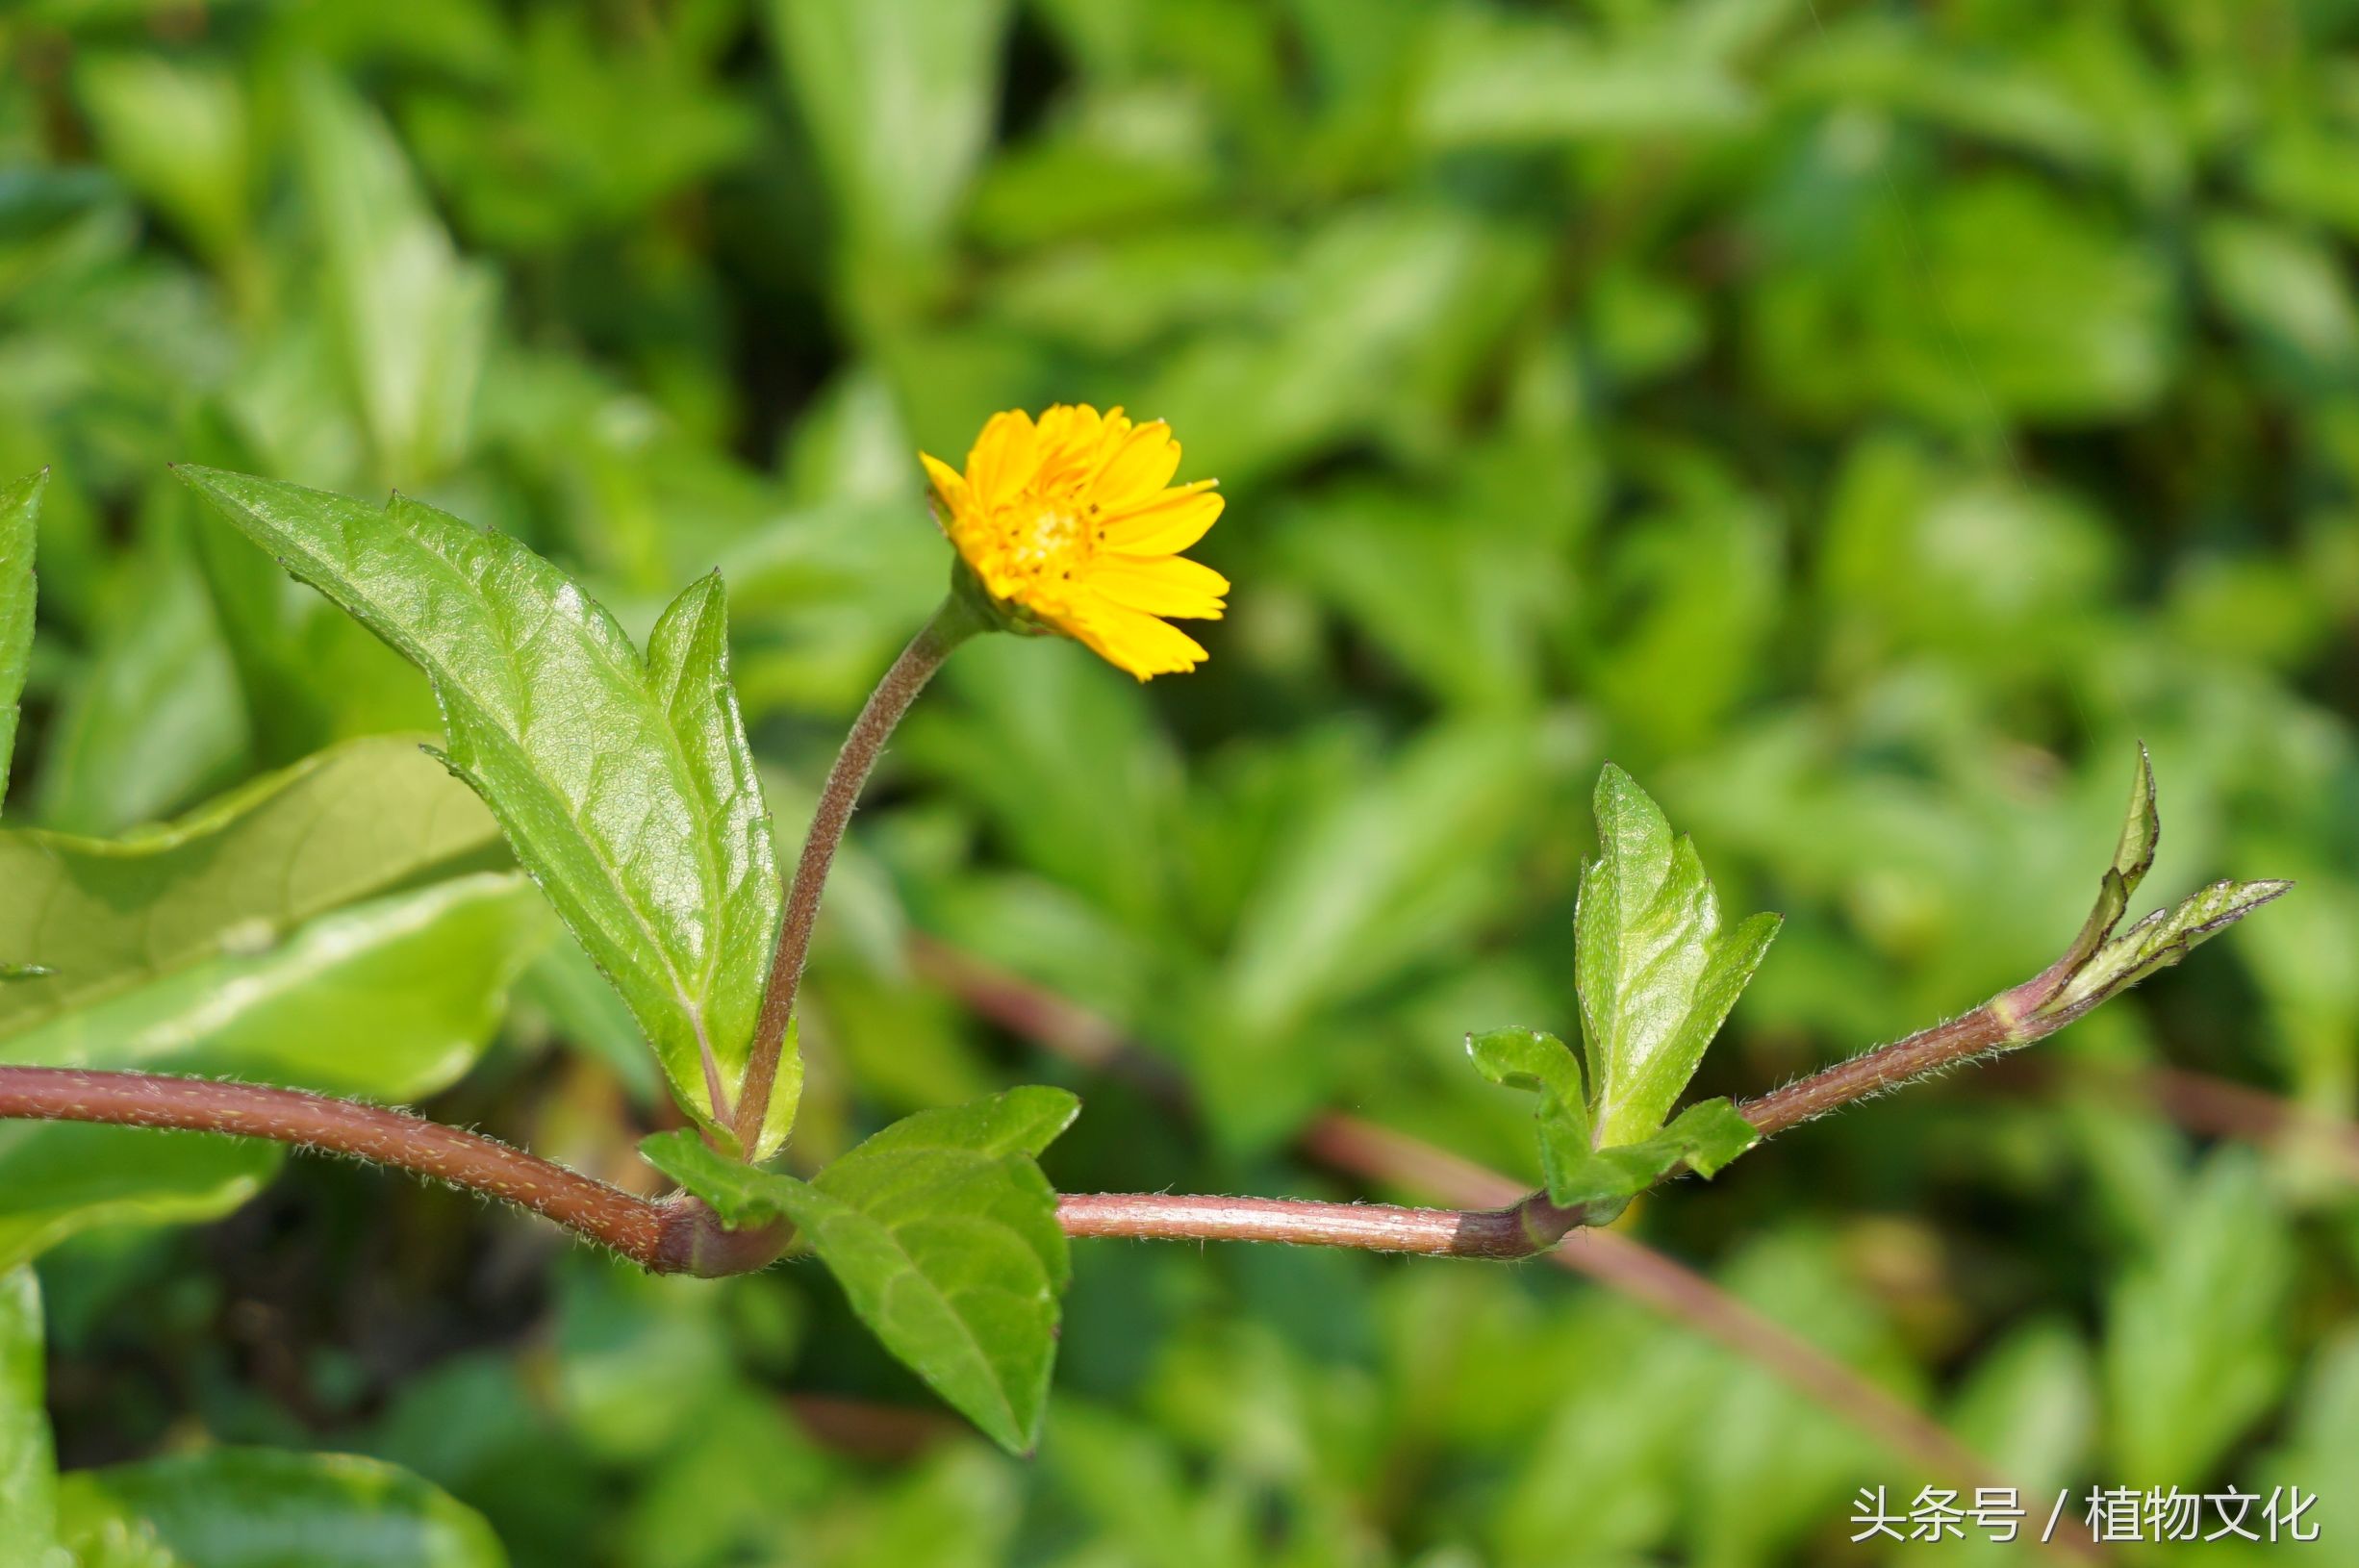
(1071,523)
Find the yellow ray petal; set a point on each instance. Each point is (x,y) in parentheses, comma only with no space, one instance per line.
(1168,525)
(1136,641)
(1003,458)
(1171,586)
(950,485)
(1142,464)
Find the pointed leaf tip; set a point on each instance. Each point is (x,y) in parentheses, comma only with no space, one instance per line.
(2142,827)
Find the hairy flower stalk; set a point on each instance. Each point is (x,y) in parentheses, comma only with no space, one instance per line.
(951,624)
(1068,524)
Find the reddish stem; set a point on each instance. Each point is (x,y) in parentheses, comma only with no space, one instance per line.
(1521,1227)
(951,624)
(681,1236)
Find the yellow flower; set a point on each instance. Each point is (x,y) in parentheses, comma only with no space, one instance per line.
(1072,523)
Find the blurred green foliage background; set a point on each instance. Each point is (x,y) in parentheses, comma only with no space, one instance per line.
(1862,422)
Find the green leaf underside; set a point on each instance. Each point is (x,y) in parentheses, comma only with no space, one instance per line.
(264,1508)
(1656,971)
(388,1000)
(103,917)
(28,1469)
(20,509)
(625,785)
(942,1233)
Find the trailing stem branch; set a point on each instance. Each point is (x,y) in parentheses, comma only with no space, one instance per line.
(679,1236)
(951,624)
(1616,1261)
(683,1236)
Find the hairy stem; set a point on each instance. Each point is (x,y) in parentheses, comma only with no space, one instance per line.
(1519,1230)
(951,624)
(2004,1022)
(681,1236)
(1619,1262)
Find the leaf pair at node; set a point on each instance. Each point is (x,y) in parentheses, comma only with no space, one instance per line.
(1657,973)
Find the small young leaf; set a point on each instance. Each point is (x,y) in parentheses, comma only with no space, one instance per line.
(20,508)
(1656,972)
(1703,1137)
(746,1197)
(942,1233)
(2157,941)
(1541,1064)
(625,785)
(2142,829)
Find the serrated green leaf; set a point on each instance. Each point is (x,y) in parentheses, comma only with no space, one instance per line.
(2157,941)
(1656,972)
(263,1508)
(1541,1064)
(943,1235)
(103,916)
(388,1000)
(1704,1138)
(20,509)
(625,785)
(28,1465)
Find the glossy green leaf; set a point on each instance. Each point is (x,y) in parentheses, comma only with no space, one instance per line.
(28,1468)
(309,674)
(388,1000)
(942,1233)
(20,509)
(1656,971)
(1543,1064)
(105,916)
(261,1508)
(624,784)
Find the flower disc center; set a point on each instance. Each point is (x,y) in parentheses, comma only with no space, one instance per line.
(1050,547)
